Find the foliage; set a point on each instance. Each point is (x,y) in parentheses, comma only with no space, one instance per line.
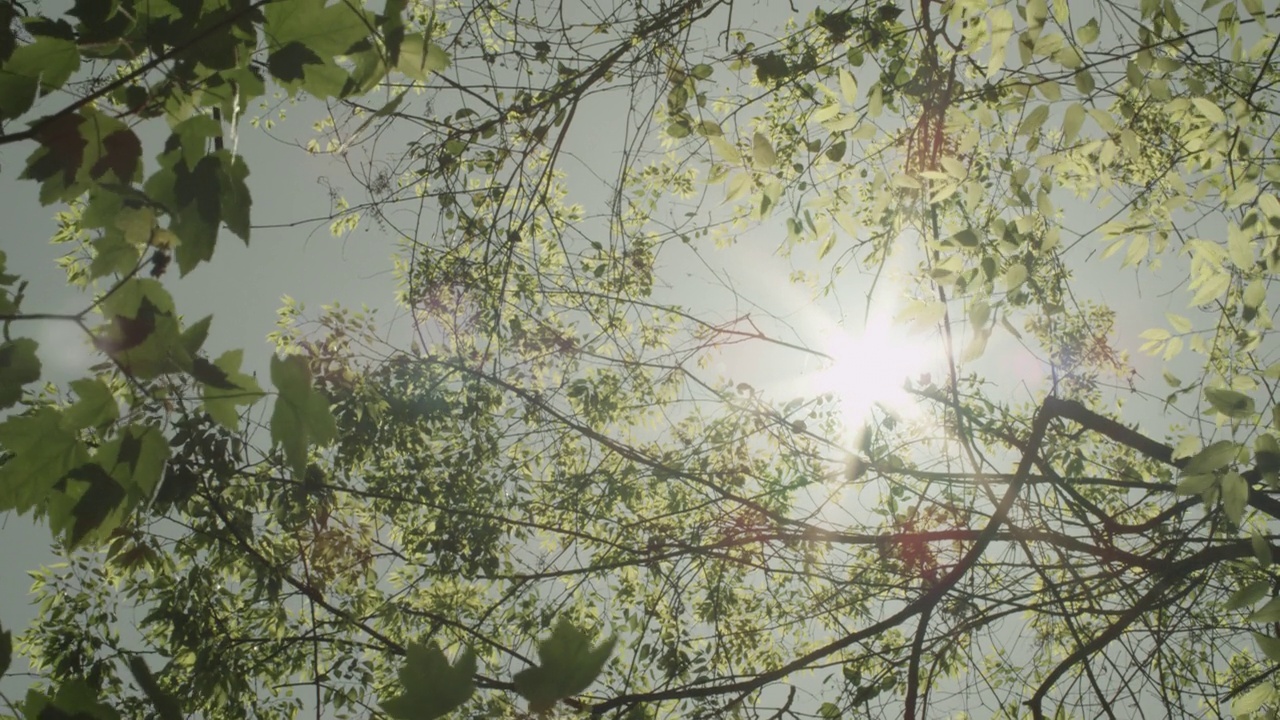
(543,450)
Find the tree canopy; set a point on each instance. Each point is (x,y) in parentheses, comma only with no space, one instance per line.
(1020,487)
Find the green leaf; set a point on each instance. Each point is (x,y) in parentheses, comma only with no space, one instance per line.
(1034,119)
(568,665)
(43,65)
(1212,458)
(44,450)
(1229,402)
(74,699)
(166,705)
(419,57)
(702,71)
(392,27)
(1014,276)
(1259,695)
(91,496)
(1235,496)
(1248,595)
(327,29)
(113,253)
(848,87)
(1261,549)
(762,155)
(195,334)
(226,388)
(1268,613)
(1209,110)
(289,63)
(966,238)
(18,366)
(1088,32)
(301,417)
(96,496)
(679,128)
(1072,121)
(141,333)
(1196,484)
(432,687)
(143,452)
(96,405)
(1270,646)
(233,193)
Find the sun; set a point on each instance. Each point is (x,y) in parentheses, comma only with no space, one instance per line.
(869,368)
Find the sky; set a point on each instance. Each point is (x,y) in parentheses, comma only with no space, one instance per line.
(243,287)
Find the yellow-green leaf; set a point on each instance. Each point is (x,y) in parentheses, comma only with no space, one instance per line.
(1209,110)
(762,154)
(848,86)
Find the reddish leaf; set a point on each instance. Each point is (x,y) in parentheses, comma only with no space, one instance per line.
(121,154)
(62,150)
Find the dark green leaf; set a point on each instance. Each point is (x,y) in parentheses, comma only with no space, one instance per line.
(393,29)
(568,665)
(7,40)
(1248,595)
(74,700)
(18,366)
(301,417)
(432,687)
(6,650)
(94,504)
(166,705)
(289,62)
(771,68)
(234,193)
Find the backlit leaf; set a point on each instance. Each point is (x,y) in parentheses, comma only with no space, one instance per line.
(432,688)
(1072,121)
(1229,402)
(762,154)
(419,57)
(44,450)
(568,664)
(301,417)
(95,406)
(43,65)
(1248,595)
(226,389)
(1235,496)
(1213,457)
(848,87)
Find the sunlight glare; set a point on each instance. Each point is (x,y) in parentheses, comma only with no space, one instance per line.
(870,368)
